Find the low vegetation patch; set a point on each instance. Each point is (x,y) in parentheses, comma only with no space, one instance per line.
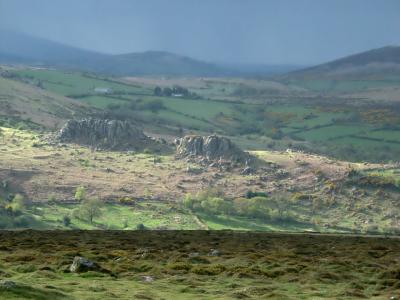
(196,265)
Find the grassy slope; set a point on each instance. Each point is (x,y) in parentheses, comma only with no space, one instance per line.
(42,107)
(153,215)
(45,172)
(71,83)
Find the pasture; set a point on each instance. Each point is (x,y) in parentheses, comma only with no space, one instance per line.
(324,128)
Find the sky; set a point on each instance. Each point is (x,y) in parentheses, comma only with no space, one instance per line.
(301,32)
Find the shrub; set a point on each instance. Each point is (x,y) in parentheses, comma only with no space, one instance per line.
(140,227)
(378,180)
(22,221)
(215,205)
(52,199)
(208,270)
(19,204)
(251,194)
(26,268)
(5,184)
(153,105)
(125,223)
(5,222)
(189,201)
(257,207)
(80,193)
(66,221)
(127,201)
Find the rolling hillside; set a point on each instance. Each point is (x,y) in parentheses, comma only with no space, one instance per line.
(19,48)
(19,101)
(366,65)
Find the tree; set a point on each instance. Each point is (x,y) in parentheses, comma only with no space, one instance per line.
(80,193)
(281,202)
(91,208)
(167,92)
(215,205)
(158,91)
(153,105)
(66,221)
(19,204)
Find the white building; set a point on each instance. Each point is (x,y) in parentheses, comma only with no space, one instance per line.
(102,90)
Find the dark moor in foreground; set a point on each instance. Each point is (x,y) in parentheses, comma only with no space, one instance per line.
(196,265)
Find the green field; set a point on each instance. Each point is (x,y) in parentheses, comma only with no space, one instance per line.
(153,215)
(343,86)
(330,132)
(386,135)
(113,217)
(102,101)
(326,129)
(72,83)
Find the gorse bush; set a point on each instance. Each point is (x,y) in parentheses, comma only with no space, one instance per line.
(80,193)
(211,201)
(252,194)
(18,204)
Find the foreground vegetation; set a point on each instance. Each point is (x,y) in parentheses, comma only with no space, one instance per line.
(197,265)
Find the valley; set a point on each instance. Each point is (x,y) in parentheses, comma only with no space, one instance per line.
(153,175)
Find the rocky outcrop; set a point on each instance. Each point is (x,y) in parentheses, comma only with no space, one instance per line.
(211,148)
(82,264)
(104,134)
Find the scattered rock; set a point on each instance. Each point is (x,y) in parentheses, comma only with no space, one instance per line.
(247,171)
(213,165)
(281,174)
(214,252)
(194,254)
(109,170)
(147,278)
(194,170)
(81,264)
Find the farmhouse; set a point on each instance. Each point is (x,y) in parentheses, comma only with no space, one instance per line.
(103,90)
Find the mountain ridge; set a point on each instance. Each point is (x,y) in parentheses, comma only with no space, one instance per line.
(368,63)
(43,52)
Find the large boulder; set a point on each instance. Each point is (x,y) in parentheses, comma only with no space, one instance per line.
(82,264)
(104,134)
(211,148)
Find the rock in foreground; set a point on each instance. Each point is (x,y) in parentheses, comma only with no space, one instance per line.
(81,264)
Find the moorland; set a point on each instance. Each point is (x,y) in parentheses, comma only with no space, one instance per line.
(317,151)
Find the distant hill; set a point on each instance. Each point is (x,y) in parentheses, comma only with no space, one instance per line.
(20,48)
(370,64)
(159,63)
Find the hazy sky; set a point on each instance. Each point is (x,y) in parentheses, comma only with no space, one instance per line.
(250,31)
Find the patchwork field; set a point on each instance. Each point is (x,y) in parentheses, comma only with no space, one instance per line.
(282,116)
